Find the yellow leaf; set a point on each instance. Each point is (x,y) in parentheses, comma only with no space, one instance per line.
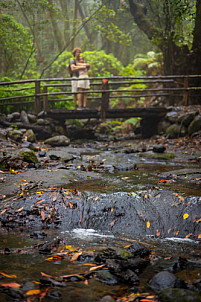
(69,247)
(148,224)
(185,216)
(169,231)
(96,198)
(112,209)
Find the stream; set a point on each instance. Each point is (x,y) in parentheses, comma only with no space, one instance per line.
(98,196)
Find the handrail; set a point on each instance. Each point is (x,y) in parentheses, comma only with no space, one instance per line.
(168,86)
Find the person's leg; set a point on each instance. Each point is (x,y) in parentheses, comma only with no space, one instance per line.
(85,99)
(80,96)
(74,91)
(75,99)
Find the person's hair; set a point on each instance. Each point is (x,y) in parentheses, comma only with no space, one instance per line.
(75,49)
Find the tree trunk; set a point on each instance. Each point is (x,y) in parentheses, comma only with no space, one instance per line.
(56,30)
(64,7)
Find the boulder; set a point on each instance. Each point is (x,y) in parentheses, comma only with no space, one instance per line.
(60,140)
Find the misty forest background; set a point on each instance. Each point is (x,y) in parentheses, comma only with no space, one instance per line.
(117,37)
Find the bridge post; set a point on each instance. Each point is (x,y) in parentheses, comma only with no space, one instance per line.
(185,95)
(45,99)
(104,99)
(37,107)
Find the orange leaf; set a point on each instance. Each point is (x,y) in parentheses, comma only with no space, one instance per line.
(20,210)
(40,200)
(12,284)
(42,215)
(199,236)
(147,300)
(33,292)
(46,275)
(8,276)
(189,235)
(3,211)
(157,233)
(70,204)
(86,282)
(75,256)
(96,267)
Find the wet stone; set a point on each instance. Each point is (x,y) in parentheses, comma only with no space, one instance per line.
(137,249)
(106,277)
(165,280)
(178,294)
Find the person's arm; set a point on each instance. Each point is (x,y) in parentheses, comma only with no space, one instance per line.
(77,67)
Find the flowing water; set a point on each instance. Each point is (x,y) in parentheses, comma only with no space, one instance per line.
(24,261)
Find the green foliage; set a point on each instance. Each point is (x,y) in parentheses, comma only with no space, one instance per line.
(107,25)
(149,64)
(16,46)
(60,66)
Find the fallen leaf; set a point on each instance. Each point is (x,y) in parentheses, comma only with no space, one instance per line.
(20,210)
(157,233)
(199,236)
(185,216)
(96,267)
(148,224)
(42,215)
(12,285)
(3,211)
(189,235)
(33,292)
(46,275)
(8,276)
(76,256)
(86,282)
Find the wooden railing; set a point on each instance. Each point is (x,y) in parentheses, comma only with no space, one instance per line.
(162,90)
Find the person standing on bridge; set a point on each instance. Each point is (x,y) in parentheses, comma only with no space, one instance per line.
(83,83)
(75,72)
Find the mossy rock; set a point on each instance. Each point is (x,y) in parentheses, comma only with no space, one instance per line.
(179,294)
(157,155)
(28,156)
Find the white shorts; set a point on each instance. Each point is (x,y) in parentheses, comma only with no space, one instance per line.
(74,85)
(83,82)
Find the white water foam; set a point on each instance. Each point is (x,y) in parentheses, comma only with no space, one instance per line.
(87,233)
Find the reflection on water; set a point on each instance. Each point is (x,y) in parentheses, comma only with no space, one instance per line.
(27,263)
(144,177)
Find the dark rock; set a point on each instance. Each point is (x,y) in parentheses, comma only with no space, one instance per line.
(116,268)
(24,117)
(42,153)
(137,249)
(54,295)
(106,277)
(159,149)
(173,265)
(165,280)
(178,295)
(54,157)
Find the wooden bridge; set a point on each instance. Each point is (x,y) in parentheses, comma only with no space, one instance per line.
(108,97)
